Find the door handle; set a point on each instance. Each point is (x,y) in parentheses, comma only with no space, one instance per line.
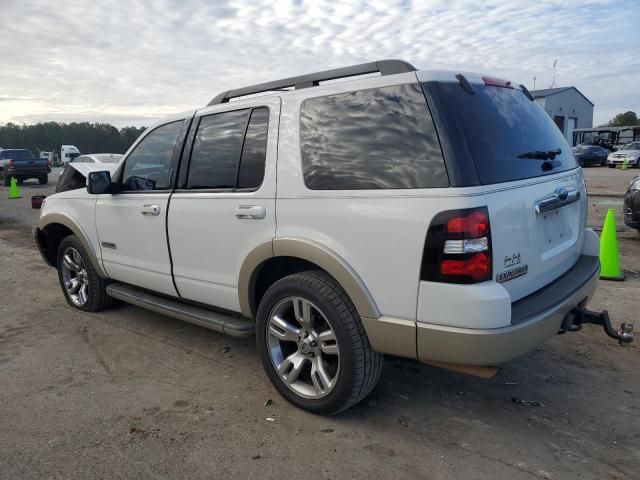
(150,210)
(256,212)
(559,198)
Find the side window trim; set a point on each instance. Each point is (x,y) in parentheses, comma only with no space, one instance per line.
(173,158)
(185,162)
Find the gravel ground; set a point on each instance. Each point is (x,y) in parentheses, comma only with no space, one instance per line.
(131,394)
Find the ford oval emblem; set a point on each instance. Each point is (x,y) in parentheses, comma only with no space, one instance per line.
(562,193)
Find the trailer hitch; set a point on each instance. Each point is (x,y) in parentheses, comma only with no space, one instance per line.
(574,320)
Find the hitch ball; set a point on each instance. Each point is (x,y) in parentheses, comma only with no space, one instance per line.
(625,335)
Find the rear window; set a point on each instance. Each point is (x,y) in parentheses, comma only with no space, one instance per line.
(382,138)
(499,124)
(16,154)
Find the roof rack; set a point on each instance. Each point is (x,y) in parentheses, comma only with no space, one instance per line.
(385,67)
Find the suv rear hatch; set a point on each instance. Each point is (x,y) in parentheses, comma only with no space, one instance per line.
(497,136)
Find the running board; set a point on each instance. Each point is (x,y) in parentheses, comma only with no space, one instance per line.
(228,324)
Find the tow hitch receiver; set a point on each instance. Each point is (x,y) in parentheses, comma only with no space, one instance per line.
(574,320)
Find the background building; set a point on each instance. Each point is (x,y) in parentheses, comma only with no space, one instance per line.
(568,107)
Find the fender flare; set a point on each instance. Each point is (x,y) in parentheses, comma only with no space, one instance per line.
(312,252)
(78,231)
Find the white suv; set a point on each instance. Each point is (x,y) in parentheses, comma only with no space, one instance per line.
(429,215)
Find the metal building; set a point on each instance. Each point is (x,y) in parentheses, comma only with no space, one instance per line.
(568,107)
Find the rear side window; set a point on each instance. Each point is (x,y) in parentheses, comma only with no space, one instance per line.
(254,150)
(229,150)
(382,138)
(501,126)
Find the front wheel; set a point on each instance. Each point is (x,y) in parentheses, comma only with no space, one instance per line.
(313,346)
(83,288)
(43,179)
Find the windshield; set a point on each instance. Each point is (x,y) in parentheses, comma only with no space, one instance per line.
(509,136)
(579,150)
(631,146)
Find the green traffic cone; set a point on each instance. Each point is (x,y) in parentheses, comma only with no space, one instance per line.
(14,192)
(609,259)
(624,163)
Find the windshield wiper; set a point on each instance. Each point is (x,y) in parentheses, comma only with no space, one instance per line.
(541,154)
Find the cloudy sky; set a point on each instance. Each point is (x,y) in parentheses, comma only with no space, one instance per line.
(130,62)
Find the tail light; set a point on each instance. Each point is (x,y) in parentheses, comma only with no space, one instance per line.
(458,247)
(496,82)
(10,164)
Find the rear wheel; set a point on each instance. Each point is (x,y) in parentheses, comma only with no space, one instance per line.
(612,165)
(20,180)
(43,179)
(313,346)
(7,181)
(83,288)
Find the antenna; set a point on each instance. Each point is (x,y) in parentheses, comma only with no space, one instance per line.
(553,82)
(534,82)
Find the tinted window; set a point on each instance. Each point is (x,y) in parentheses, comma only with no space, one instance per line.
(254,150)
(498,125)
(148,167)
(216,150)
(370,139)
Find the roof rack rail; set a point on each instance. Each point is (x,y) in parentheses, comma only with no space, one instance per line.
(385,67)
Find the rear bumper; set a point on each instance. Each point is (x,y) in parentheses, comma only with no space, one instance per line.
(27,173)
(535,319)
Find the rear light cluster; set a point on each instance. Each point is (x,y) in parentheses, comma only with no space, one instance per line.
(10,164)
(458,247)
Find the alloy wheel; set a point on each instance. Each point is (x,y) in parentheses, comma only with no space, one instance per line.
(74,277)
(303,347)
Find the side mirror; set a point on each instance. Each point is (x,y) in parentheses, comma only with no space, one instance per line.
(99,182)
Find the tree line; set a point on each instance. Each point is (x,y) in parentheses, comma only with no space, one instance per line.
(88,137)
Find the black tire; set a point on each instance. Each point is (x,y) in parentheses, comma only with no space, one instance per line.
(581,163)
(360,367)
(612,165)
(97,298)
(6,181)
(43,179)
(20,180)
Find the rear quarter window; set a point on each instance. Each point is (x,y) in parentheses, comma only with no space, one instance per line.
(381,138)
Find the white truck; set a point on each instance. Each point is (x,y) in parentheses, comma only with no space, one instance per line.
(68,153)
(432,215)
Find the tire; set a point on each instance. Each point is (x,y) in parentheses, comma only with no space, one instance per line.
(95,296)
(612,165)
(43,179)
(6,181)
(20,180)
(359,367)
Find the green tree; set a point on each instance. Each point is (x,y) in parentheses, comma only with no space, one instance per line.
(624,119)
(50,136)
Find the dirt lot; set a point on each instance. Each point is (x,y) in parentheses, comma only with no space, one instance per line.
(131,394)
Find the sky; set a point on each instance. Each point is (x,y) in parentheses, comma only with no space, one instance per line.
(130,62)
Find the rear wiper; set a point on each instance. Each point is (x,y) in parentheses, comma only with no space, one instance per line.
(541,154)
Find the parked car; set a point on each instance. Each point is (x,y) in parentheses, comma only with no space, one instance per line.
(631,206)
(98,158)
(331,220)
(630,152)
(587,155)
(22,164)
